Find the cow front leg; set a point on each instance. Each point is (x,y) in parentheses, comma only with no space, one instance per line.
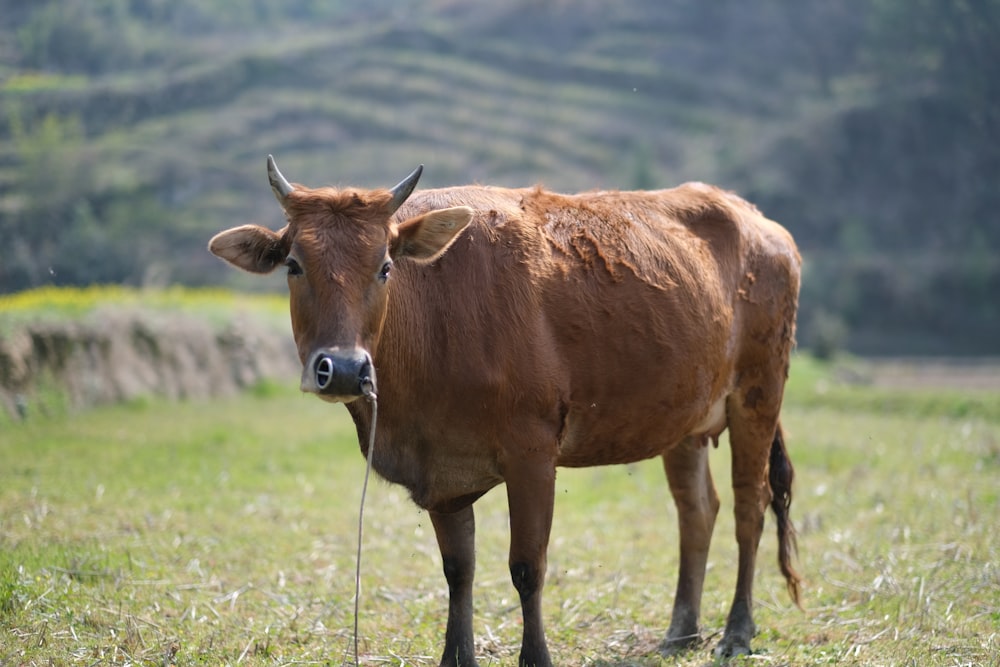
(697,504)
(456,537)
(530,496)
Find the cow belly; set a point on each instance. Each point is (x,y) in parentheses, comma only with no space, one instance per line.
(593,436)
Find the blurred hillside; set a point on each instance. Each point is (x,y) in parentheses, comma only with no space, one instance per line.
(132,130)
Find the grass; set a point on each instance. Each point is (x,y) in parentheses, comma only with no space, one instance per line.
(35,82)
(224,532)
(847,386)
(64,304)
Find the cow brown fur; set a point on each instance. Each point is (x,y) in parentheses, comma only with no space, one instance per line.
(554,330)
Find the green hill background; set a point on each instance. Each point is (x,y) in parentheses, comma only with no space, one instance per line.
(132,130)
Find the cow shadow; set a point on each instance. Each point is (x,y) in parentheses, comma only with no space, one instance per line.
(652,660)
(646,652)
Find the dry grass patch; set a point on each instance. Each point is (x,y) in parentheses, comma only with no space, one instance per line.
(224,533)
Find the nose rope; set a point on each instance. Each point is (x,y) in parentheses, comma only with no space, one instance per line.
(368,388)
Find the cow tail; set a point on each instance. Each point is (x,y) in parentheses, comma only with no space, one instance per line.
(780,475)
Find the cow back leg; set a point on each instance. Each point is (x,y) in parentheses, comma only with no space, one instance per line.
(456,534)
(530,496)
(752,413)
(697,504)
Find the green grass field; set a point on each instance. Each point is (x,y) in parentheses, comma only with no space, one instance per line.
(224,532)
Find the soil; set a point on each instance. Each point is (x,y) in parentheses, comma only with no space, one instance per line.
(976,374)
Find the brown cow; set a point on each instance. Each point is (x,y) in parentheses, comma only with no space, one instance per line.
(557,330)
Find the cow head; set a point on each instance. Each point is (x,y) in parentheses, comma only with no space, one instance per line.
(338,249)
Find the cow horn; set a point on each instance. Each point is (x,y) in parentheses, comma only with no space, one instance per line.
(281,187)
(401,192)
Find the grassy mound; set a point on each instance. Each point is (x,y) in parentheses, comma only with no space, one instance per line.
(71,348)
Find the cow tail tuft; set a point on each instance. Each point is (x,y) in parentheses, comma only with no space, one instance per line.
(781,473)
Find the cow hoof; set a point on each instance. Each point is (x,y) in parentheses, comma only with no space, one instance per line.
(732,647)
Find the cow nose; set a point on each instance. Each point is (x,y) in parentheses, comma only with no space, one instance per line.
(339,374)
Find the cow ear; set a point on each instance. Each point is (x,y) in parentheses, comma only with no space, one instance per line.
(251,248)
(427,236)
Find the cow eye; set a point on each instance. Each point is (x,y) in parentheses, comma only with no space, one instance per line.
(294,269)
(383,274)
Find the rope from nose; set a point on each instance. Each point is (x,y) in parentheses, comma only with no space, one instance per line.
(368,388)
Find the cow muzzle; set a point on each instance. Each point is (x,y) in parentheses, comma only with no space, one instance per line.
(338,374)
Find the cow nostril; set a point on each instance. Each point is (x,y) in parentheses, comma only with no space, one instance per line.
(367,378)
(323,370)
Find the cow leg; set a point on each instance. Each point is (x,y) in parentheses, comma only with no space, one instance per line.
(752,422)
(456,536)
(530,497)
(697,504)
